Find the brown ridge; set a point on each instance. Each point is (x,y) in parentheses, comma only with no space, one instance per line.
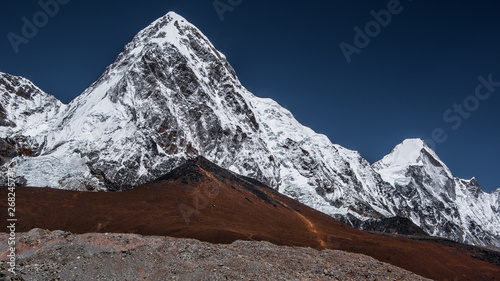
(202,201)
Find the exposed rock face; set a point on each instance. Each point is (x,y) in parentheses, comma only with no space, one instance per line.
(436,201)
(171,96)
(395,225)
(27,114)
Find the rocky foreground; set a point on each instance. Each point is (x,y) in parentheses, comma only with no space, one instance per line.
(58,255)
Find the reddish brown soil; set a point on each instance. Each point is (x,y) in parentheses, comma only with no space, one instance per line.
(202,201)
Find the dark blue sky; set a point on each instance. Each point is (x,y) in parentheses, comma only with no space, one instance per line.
(414,70)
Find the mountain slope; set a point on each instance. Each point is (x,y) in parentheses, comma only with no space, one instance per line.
(203,201)
(171,96)
(435,200)
(27,116)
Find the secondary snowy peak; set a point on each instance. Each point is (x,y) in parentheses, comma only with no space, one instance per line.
(436,201)
(407,152)
(410,153)
(24,108)
(27,116)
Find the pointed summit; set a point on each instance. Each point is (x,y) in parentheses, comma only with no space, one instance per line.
(24,108)
(411,152)
(169,28)
(168,18)
(407,152)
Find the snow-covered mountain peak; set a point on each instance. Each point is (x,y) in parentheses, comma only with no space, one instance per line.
(168,96)
(169,28)
(409,152)
(171,39)
(431,191)
(175,31)
(24,108)
(170,17)
(412,157)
